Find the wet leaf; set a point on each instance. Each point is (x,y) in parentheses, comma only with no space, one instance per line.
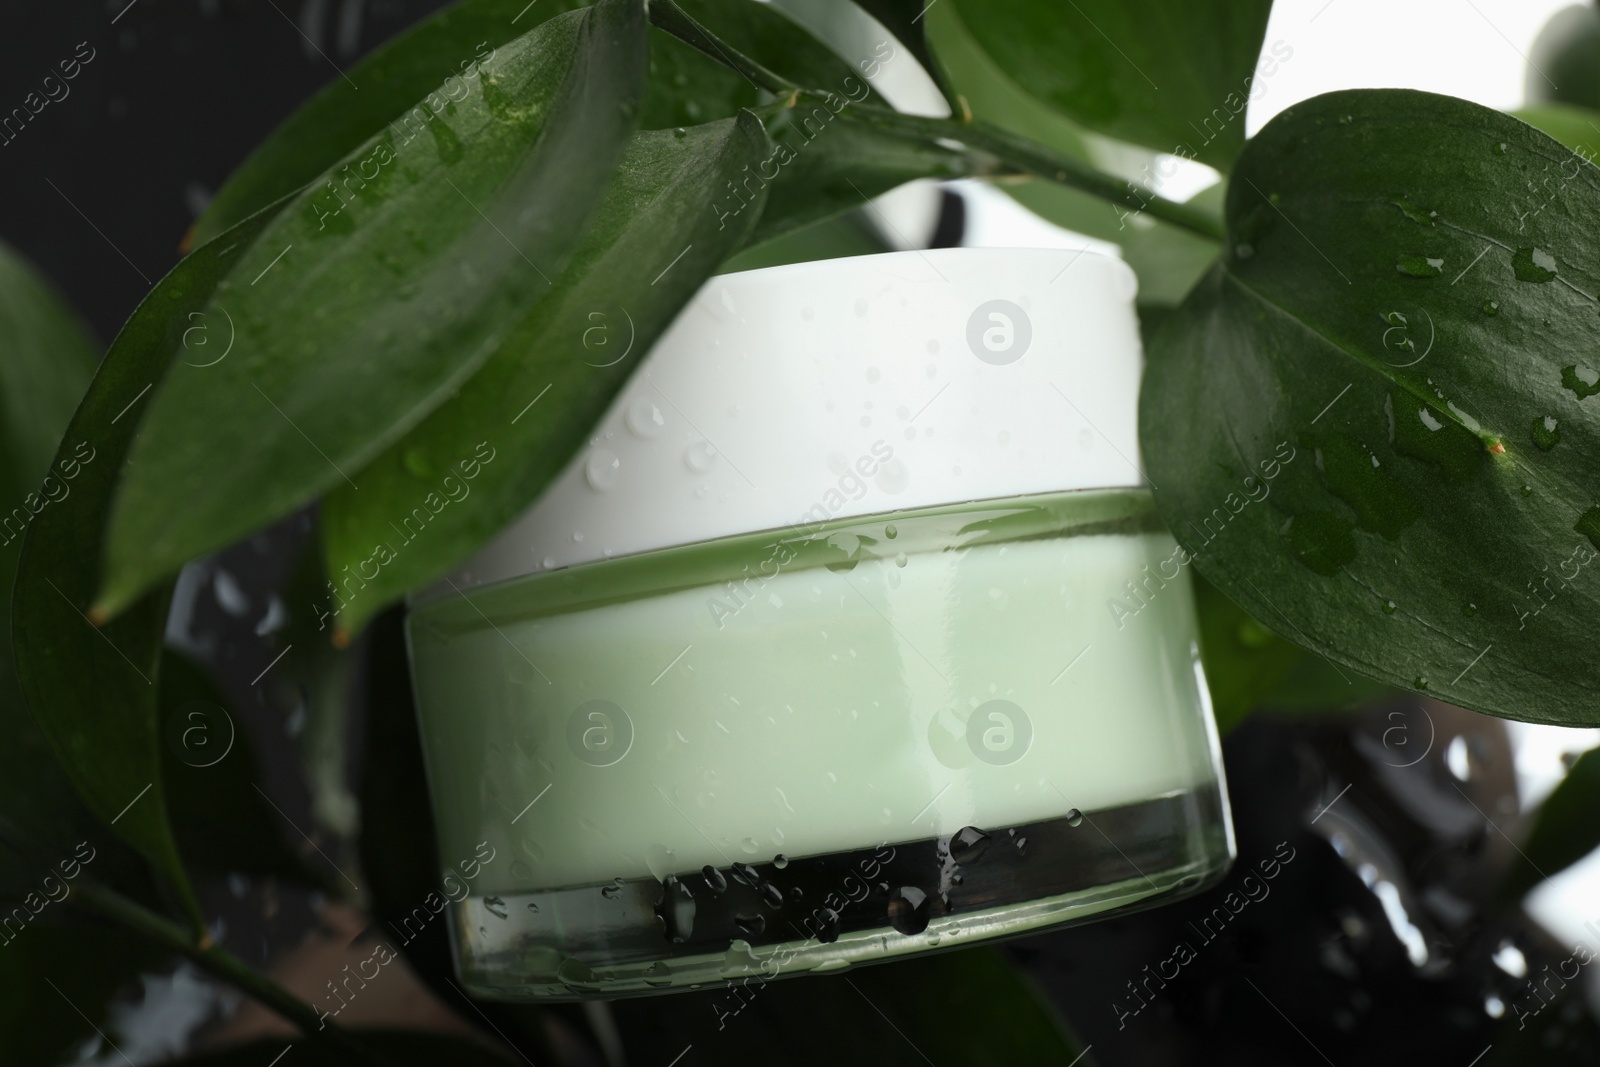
(376,294)
(1363,422)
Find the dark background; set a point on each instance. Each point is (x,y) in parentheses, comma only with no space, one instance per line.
(98,191)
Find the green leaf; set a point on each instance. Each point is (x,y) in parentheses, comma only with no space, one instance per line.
(666,223)
(1564,831)
(93,690)
(48,361)
(1171,76)
(991,93)
(1368,423)
(911,1012)
(373,296)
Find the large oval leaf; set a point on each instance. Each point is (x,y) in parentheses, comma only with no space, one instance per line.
(375,294)
(1373,423)
(1171,76)
(93,691)
(479,460)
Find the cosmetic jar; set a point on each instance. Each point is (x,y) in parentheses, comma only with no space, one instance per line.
(850,633)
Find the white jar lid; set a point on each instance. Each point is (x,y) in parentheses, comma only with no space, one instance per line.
(849,387)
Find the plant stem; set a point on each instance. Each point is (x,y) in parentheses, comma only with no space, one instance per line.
(979,138)
(228,967)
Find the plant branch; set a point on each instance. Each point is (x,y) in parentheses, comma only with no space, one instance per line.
(228,967)
(979,139)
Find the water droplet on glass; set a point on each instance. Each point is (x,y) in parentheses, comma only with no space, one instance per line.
(1074,817)
(772,895)
(968,844)
(1418,266)
(908,910)
(700,456)
(714,878)
(610,892)
(899,559)
(1546,432)
(601,469)
(1533,265)
(827,926)
(496,907)
(676,910)
(749,845)
(745,874)
(658,974)
(533,908)
(752,925)
(780,861)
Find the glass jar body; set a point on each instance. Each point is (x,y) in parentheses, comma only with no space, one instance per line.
(797,751)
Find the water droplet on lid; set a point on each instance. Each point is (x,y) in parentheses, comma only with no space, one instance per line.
(644,419)
(780,861)
(749,845)
(908,910)
(602,469)
(549,562)
(700,456)
(1418,266)
(899,559)
(1074,817)
(1533,265)
(891,531)
(1546,432)
(968,844)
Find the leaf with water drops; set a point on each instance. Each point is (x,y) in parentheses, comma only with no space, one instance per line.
(1362,423)
(377,293)
(449,485)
